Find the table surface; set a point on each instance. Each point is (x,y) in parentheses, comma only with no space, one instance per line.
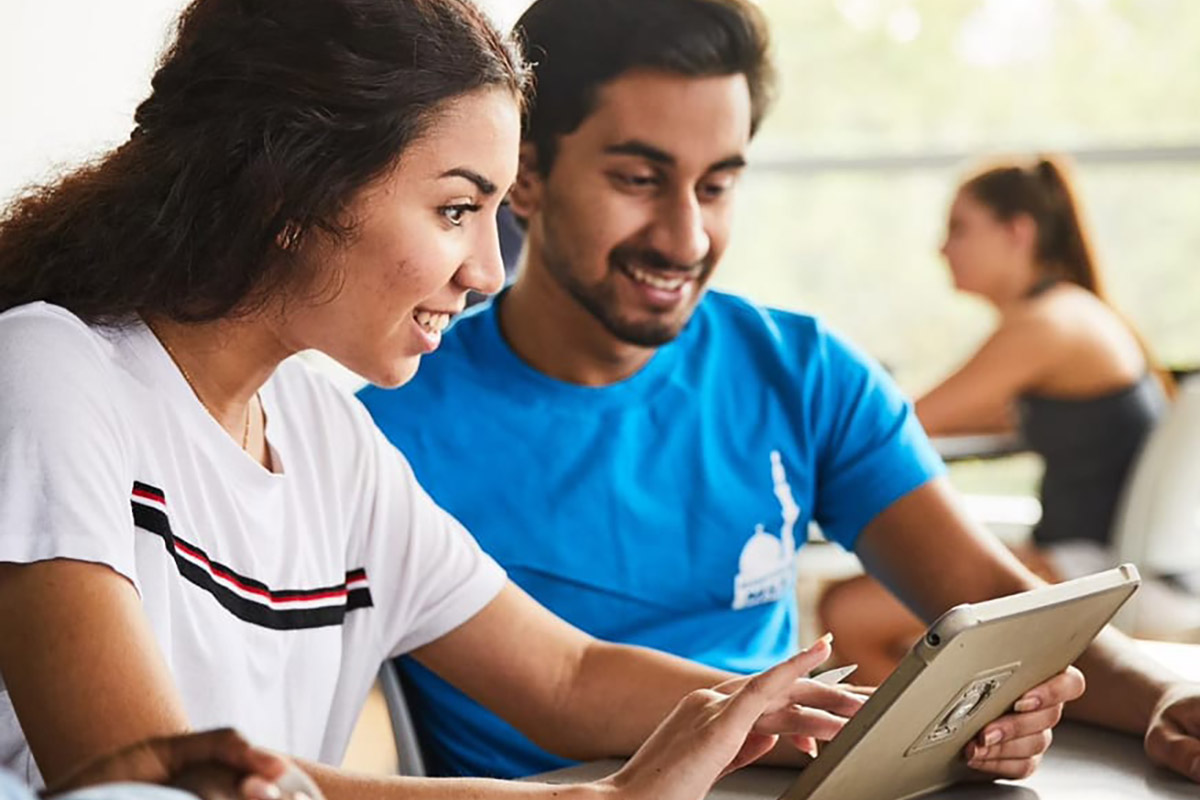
(982,445)
(1084,763)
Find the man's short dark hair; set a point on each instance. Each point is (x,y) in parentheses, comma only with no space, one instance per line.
(577,46)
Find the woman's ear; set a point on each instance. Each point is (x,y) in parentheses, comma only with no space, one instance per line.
(1024,232)
(525,197)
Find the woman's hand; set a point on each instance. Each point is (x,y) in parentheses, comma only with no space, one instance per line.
(214,764)
(711,732)
(815,711)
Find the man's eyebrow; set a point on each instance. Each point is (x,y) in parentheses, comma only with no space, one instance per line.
(641,149)
(634,147)
(731,163)
(485,186)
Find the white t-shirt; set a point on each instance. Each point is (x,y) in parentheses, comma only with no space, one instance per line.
(11,789)
(274,597)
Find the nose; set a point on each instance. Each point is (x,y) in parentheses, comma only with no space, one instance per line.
(679,232)
(483,271)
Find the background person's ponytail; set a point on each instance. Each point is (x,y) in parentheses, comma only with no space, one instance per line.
(1063,241)
(1043,191)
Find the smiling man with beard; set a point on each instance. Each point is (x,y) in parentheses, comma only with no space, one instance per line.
(644,456)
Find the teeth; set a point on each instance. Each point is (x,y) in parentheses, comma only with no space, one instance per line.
(432,323)
(657,282)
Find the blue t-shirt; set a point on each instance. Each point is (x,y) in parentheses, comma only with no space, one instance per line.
(664,510)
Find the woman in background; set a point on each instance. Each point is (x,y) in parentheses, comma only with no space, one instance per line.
(1063,368)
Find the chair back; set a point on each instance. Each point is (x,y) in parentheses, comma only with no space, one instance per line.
(1158,521)
(408,748)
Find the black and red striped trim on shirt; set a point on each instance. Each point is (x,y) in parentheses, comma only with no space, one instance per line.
(248,599)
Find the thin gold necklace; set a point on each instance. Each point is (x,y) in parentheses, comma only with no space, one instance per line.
(192,385)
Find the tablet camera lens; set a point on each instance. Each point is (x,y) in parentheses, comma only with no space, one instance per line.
(933,640)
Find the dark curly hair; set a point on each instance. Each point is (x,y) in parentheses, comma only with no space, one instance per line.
(265,118)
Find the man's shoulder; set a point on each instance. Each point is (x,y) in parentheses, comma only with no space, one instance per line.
(737,311)
(755,337)
(738,320)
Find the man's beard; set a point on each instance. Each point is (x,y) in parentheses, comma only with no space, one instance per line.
(601,301)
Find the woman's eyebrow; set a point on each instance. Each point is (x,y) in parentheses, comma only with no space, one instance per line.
(485,186)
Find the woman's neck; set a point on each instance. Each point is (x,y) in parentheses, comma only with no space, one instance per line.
(1026,284)
(226,363)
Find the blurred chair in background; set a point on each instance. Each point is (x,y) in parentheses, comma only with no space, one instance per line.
(1158,525)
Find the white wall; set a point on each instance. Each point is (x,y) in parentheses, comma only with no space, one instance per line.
(73,71)
(71,74)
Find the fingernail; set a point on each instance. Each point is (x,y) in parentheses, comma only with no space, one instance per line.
(993,737)
(827,638)
(1028,704)
(255,788)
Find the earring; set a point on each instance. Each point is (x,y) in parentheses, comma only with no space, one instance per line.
(289,237)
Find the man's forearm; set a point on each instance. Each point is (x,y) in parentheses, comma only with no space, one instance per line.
(1123,684)
(339,785)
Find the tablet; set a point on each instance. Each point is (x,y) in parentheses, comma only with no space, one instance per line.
(968,669)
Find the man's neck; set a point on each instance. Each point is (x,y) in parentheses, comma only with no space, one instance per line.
(549,330)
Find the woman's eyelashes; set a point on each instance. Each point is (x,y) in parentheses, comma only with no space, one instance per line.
(456,213)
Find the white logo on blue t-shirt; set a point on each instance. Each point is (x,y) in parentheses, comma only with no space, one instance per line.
(767,564)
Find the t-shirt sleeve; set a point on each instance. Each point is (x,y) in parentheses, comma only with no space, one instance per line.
(64,477)
(124,791)
(12,789)
(428,574)
(871,448)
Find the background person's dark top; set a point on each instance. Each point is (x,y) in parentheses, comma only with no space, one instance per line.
(1088,446)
